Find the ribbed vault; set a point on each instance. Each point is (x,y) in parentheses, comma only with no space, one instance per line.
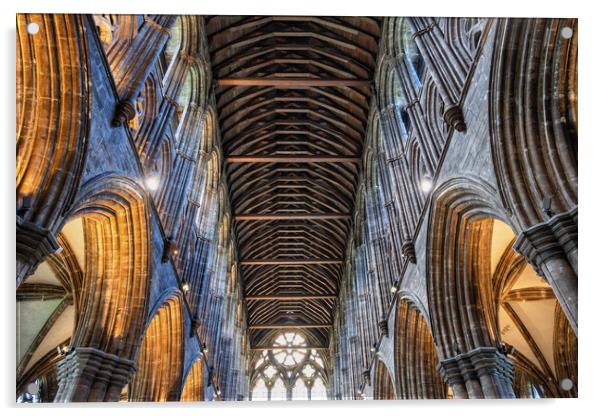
(293,95)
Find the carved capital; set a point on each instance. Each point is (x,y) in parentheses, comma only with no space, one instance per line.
(553,238)
(84,368)
(482,361)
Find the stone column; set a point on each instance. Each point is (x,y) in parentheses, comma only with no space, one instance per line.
(131,68)
(178,186)
(445,67)
(150,138)
(92,375)
(483,373)
(551,248)
(34,244)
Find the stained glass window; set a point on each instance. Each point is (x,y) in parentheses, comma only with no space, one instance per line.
(290,370)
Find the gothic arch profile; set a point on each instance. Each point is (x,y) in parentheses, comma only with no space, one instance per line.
(456,263)
(383,383)
(159,363)
(52,130)
(115,286)
(533,113)
(534,117)
(193,389)
(415,355)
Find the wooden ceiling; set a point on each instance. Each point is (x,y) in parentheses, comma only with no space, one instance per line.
(293,95)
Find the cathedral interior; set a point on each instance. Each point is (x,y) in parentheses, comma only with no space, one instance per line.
(252,208)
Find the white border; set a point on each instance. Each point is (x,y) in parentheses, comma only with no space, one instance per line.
(590,374)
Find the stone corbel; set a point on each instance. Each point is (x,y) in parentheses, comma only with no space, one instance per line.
(383,327)
(34,244)
(409,251)
(454,118)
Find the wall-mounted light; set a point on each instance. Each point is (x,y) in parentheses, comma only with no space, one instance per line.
(426,184)
(506,349)
(185,287)
(62,350)
(152,183)
(204,348)
(373,348)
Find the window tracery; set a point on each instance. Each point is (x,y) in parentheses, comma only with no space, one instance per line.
(289,371)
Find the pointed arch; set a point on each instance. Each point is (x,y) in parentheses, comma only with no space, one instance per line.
(117,272)
(194,384)
(52,130)
(383,383)
(415,355)
(458,324)
(161,355)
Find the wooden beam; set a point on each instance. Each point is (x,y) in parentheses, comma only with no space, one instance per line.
(289,326)
(288,262)
(290,297)
(275,217)
(292,82)
(292,159)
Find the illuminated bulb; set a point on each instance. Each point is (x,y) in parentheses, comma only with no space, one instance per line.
(33,28)
(426,184)
(62,350)
(372,349)
(186,287)
(152,183)
(393,289)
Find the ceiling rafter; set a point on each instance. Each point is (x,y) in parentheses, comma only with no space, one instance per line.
(293,96)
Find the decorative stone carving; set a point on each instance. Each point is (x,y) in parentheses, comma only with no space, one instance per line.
(34,244)
(91,375)
(551,249)
(408,251)
(481,373)
(383,327)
